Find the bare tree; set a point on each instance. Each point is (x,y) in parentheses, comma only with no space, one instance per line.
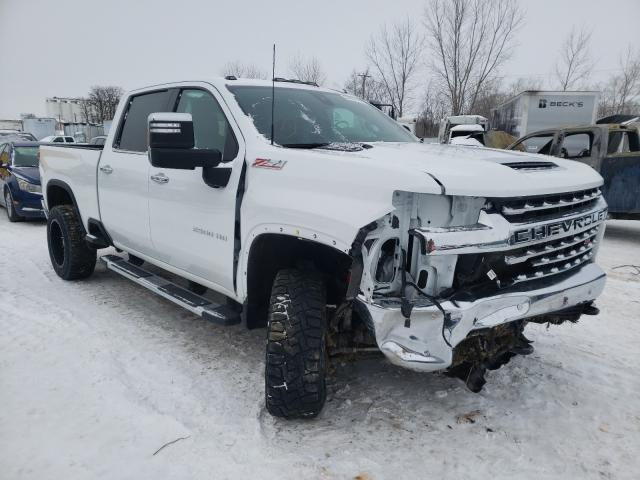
(574,65)
(522,84)
(86,109)
(243,70)
(364,85)
(469,40)
(434,108)
(621,93)
(394,54)
(103,101)
(490,96)
(307,70)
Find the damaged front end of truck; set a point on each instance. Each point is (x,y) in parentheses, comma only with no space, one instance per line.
(450,282)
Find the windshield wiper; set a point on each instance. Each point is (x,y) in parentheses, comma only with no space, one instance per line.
(338,146)
(306,145)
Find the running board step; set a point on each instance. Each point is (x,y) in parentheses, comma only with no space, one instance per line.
(208,310)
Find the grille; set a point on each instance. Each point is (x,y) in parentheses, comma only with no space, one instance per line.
(550,258)
(561,232)
(528,209)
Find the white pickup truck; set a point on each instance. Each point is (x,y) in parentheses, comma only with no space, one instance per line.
(319,217)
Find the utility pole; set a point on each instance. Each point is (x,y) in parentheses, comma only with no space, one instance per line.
(364,79)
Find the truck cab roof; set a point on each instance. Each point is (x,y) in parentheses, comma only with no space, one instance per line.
(223,82)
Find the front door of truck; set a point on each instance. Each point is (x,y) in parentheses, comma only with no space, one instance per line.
(123,174)
(191,212)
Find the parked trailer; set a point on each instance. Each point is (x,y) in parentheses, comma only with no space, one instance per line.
(39,127)
(535,110)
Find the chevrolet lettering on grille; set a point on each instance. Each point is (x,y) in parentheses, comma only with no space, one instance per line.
(551,230)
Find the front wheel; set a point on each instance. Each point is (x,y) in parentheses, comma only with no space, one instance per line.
(12,215)
(71,256)
(296,353)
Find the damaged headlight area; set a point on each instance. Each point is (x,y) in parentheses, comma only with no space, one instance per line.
(396,252)
(450,282)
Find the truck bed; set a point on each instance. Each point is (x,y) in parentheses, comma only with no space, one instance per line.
(76,167)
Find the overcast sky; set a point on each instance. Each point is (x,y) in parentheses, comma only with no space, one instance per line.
(61,48)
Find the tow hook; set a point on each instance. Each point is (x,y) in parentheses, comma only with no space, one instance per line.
(590,309)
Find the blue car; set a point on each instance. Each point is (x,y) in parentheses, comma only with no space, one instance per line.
(20,180)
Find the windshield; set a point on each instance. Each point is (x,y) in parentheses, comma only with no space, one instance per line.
(308,118)
(26,157)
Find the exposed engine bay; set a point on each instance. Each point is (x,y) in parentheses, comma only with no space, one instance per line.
(394,246)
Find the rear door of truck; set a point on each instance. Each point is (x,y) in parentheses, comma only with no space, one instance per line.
(123,174)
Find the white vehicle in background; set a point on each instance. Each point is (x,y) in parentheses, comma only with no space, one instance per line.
(461,126)
(330,225)
(534,110)
(470,135)
(58,139)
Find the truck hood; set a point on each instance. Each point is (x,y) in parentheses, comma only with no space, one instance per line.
(483,172)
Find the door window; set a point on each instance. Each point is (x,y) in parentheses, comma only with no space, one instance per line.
(58,140)
(69,140)
(536,144)
(576,145)
(211,130)
(622,141)
(133,132)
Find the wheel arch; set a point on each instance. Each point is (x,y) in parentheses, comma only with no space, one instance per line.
(60,193)
(10,184)
(271,252)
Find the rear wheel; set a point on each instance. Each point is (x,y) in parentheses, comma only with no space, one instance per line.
(71,256)
(12,215)
(296,352)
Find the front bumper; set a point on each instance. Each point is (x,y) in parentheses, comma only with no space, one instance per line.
(29,205)
(427,344)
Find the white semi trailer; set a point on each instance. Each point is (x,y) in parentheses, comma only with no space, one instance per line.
(534,110)
(39,127)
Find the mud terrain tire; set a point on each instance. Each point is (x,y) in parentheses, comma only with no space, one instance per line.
(71,256)
(296,351)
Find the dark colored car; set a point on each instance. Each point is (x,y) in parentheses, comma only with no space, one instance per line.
(20,180)
(16,136)
(613,150)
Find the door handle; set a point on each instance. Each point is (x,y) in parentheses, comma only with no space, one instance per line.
(106,169)
(160,178)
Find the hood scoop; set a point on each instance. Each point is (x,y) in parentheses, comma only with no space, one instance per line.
(531,165)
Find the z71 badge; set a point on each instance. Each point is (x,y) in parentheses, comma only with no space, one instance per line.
(269,164)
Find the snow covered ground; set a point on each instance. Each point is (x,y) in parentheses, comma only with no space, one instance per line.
(97,375)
